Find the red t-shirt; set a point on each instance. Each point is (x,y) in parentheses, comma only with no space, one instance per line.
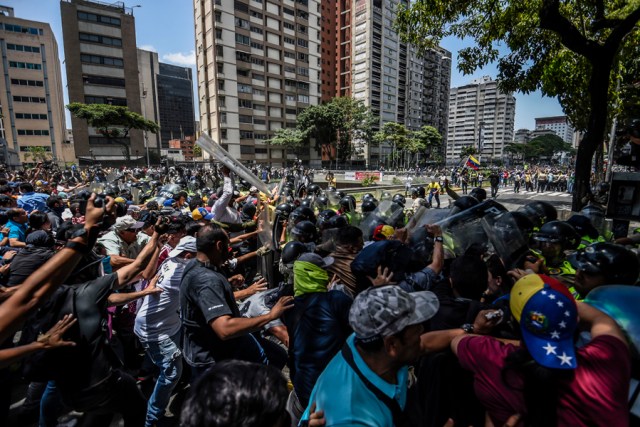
(596,396)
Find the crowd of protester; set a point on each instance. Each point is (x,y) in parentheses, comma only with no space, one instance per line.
(177,296)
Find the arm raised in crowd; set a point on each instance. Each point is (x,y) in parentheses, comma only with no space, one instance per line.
(130,272)
(227,327)
(41,283)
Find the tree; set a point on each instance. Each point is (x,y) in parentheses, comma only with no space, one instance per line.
(569,50)
(546,146)
(288,138)
(396,135)
(197,151)
(431,140)
(38,153)
(338,124)
(113,122)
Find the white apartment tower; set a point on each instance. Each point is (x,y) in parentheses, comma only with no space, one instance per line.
(559,125)
(481,116)
(258,65)
(379,69)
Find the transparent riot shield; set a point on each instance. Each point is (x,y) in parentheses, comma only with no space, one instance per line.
(220,154)
(466,229)
(505,237)
(135,195)
(387,212)
(97,187)
(621,303)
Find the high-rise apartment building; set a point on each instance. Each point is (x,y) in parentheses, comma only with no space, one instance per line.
(480,116)
(258,66)
(31,103)
(102,68)
(379,70)
(428,85)
(559,125)
(148,68)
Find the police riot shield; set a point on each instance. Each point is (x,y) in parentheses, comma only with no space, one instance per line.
(505,237)
(97,187)
(466,229)
(596,215)
(220,154)
(135,195)
(387,212)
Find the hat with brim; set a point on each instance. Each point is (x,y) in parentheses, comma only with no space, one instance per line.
(186,244)
(381,311)
(548,317)
(127,223)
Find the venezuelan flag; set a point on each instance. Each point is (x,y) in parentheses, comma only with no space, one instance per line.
(473,163)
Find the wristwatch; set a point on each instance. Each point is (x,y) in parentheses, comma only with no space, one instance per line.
(438,239)
(467,327)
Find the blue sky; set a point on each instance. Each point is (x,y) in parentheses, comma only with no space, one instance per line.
(166,26)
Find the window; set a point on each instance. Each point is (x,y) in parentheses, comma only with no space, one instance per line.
(255,14)
(21,82)
(257,61)
(246,134)
(244,72)
(220,84)
(218,16)
(102,100)
(242,118)
(256,45)
(242,88)
(242,23)
(219,50)
(102,60)
(288,97)
(303,86)
(258,76)
(243,56)
(25,65)
(103,81)
(258,107)
(23,48)
(220,67)
(259,122)
(258,92)
(256,30)
(242,39)
(261,150)
(303,57)
(33,99)
(95,38)
(289,40)
(288,54)
(288,11)
(102,19)
(288,25)
(302,29)
(31,116)
(290,111)
(222,101)
(242,7)
(25,149)
(219,33)
(303,98)
(245,103)
(247,149)
(30,132)
(21,29)
(223,133)
(289,69)
(223,117)
(303,43)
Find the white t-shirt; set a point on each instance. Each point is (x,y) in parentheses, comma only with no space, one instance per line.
(158,317)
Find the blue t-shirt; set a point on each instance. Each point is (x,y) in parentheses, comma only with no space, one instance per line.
(346,400)
(34,201)
(17,231)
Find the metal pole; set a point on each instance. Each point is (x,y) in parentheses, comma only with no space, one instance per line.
(612,138)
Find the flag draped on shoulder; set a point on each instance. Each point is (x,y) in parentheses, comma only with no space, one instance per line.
(473,163)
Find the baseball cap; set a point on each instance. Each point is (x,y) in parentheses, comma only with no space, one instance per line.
(186,244)
(381,311)
(548,318)
(383,232)
(201,213)
(316,259)
(127,222)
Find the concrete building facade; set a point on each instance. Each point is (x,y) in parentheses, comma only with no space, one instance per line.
(32,102)
(175,102)
(258,66)
(559,125)
(102,68)
(480,116)
(148,68)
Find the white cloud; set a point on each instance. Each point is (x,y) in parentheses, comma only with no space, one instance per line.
(148,47)
(179,58)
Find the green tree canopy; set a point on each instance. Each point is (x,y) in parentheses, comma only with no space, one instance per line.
(467,151)
(574,51)
(112,121)
(288,138)
(38,153)
(337,123)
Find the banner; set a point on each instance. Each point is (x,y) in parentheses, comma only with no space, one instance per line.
(359,176)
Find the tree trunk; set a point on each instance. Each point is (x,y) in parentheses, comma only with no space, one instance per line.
(598,89)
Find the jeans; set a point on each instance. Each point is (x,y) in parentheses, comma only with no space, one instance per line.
(167,356)
(437,197)
(51,406)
